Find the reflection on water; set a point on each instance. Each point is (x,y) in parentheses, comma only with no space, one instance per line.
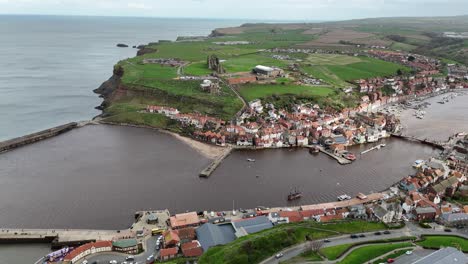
(98,176)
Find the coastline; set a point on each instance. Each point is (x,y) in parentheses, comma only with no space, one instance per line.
(206,150)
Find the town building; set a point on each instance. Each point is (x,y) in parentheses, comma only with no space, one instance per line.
(210,235)
(127,246)
(87,249)
(192,249)
(168,253)
(184,220)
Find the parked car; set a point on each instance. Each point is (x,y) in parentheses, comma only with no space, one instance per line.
(113,262)
(409,252)
(130,258)
(327,240)
(362,235)
(354,236)
(279,255)
(390,260)
(448,230)
(386,232)
(378,233)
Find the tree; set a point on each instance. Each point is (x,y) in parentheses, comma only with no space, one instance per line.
(399,72)
(314,246)
(411,58)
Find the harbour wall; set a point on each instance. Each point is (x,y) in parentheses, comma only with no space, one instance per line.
(34,137)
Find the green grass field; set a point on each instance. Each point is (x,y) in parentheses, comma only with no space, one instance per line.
(336,70)
(364,254)
(331,59)
(254,91)
(256,247)
(402,46)
(197,69)
(304,257)
(332,253)
(246,63)
(436,242)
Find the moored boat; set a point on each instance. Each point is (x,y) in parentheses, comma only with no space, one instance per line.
(418,163)
(294,195)
(250,160)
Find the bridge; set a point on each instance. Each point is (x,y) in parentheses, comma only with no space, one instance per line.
(437,144)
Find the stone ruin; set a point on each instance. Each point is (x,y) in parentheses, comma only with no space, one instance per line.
(215,65)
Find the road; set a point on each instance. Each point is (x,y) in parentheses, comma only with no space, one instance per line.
(120,258)
(409,230)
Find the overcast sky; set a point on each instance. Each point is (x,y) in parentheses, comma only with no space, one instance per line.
(245,9)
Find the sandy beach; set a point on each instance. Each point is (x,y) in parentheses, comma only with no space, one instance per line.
(207,150)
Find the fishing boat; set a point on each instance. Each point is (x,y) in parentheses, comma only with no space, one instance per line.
(294,195)
(314,150)
(250,160)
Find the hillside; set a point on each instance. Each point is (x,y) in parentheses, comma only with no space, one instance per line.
(314,63)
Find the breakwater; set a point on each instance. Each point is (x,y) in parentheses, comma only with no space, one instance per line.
(34,137)
(213,165)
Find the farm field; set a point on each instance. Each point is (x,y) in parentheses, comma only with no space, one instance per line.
(337,69)
(255,91)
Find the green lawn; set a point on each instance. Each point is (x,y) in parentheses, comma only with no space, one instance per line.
(331,59)
(256,247)
(332,253)
(393,256)
(304,257)
(135,71)
(254,91)
(197,69)
(436,242)
(364,254)
(246,63)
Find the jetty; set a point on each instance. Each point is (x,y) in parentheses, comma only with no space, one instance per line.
(373,148)
(338,158)
(215,163)
(34,137)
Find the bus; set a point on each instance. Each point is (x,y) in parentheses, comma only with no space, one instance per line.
(156,231)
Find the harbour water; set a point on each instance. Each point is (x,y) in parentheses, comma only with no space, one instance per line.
(22,253)
(98,176)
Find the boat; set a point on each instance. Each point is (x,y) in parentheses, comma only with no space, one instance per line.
(418,163)
(250,160)
(361,196)
(441,102)
(344,197)
(314,150)
(294,195)
(349,156)
(383,145)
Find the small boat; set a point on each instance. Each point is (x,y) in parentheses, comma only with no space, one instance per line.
(361,196)
(314,150)
(294,195)
(344,197)
(441,102)
(418,163)
(250,160)
(349,156)
(383,145)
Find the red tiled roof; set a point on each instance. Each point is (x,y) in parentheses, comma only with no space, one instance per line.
(293,216)
(192,249)
(80,249)
(182,220)
(165,252)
